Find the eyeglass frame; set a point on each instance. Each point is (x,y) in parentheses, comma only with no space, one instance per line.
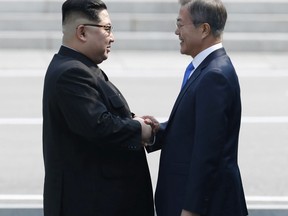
(179,26)
(108,28)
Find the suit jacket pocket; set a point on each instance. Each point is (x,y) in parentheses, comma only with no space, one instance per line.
(117,106)
(116,102)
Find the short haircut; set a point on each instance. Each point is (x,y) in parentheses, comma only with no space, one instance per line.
(212,12)
(88,9)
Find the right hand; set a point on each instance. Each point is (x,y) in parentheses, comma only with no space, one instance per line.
(152,121)
(146,130)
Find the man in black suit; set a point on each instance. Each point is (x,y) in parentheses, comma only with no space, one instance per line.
(95,164)
(198,171)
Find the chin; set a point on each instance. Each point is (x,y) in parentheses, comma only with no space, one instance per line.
(182,50)
(100,60)
(105,57)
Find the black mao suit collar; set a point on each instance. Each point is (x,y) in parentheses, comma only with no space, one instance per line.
(69,52)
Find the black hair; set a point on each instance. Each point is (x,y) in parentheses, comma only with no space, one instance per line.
(88,8)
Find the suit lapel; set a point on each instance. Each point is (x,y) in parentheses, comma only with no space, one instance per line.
(183,91)
(194,77)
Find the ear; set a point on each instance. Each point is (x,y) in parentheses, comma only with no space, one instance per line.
(81,33)
(206,30)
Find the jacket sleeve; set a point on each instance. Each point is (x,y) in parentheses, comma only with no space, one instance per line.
(87,115)
(158,139)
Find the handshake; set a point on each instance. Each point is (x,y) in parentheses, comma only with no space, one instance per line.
(149,126)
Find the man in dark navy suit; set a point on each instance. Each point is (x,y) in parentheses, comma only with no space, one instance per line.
(198,171)
(95,163)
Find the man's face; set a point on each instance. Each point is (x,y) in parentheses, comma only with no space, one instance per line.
(190,37)
(99,38)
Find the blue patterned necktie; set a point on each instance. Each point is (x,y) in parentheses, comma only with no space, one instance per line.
(188,71)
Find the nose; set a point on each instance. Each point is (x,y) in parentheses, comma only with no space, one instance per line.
(112,39)
(177,31)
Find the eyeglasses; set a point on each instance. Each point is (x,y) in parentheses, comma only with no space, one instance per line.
(179,26)
(107,28)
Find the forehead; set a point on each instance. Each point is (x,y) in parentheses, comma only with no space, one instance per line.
(104,16)
(183,14)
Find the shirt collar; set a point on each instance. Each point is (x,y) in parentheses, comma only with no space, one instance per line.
(202,55)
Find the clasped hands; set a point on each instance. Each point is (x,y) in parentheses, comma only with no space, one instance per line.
(149,127)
